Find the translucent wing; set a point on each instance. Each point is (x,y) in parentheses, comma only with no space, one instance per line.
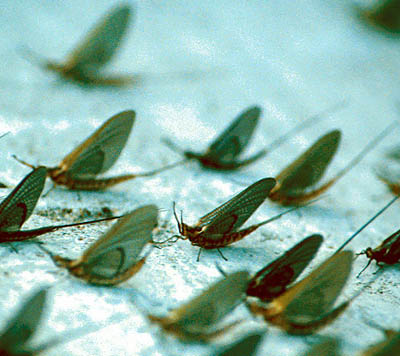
(389,347)
(100,151)
(212,305)
(329,347)
(272,280)
(245,347)
(23,325)
(309,168)
(118,250)
(315,295)
(227,146)
(18,206)
(231,215)
(101,43)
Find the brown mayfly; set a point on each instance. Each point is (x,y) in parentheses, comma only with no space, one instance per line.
(97,154)
(308,169)
(83,65)
(18,206)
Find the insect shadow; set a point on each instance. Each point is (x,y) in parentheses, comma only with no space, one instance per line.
(96,155)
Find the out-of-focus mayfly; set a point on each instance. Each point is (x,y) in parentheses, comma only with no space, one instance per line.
(97,154)
(306,307)
(114,257)
(388,251)
(244,347)
(309,168)
(389,347)
(384,15)
(273,280)
(83,65)
(220,227)
(18,206)
(223,153)
(20,329)
(196,319)
(328,347)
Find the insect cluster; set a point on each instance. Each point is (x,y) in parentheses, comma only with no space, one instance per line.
(273,293)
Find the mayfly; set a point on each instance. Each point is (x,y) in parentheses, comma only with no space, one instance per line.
(85,62)
(388,251)
(20,329)
(273,280)
(221,227)
(246,346)
(97,154)
(306,307)
(18,206)
(114,257)
(384,15)
(388,347)
(308,169)
(196,319)
(223,153)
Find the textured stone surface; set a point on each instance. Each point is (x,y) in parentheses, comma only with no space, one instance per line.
(201,66)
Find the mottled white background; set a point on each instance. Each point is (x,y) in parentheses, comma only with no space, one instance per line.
(202,62)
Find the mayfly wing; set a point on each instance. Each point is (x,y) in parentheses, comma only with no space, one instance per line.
(227,146)
(100,151)
(234,213)
(329,347)
(118,250)
(22,326)
(315,295)
(309,168)
(102,41)
(211,305)
(388,347)
(18,206)
(247,346)
(272,280)
(385,15)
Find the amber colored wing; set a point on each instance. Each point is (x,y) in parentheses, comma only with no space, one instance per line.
(101,43)
(23,325)
(235,138)
(309,168)
(211,305)
(99,152)
(315,295)
(119,249)
(273,279)
(18,206)
(231,215)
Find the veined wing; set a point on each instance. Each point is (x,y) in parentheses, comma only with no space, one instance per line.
(227,146)
(233,214)
(119,249)
(272,280)
(100,151)
(309,168)
(315,295)
(18,206)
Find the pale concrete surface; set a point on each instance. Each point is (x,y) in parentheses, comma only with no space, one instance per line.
(294,59)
